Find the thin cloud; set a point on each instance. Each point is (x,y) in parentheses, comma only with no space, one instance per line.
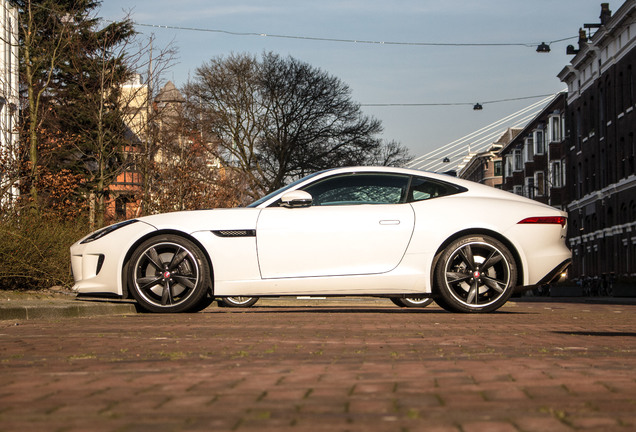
(193,10)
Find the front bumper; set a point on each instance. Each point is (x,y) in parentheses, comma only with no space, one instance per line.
(97,265)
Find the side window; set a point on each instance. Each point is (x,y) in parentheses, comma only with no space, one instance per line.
(423,189)
(363,188)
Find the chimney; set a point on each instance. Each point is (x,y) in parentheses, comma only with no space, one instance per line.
(606,13)
(582,38)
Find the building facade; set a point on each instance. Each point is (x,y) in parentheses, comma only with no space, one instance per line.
(534,161)
(601,119)
(487,167)
(147,124)
(9,188)
(123,199)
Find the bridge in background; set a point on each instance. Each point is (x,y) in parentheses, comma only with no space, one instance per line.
(455,155)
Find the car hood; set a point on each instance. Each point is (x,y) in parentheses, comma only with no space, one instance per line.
(202,220)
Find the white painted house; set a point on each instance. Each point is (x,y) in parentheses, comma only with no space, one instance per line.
(8,103)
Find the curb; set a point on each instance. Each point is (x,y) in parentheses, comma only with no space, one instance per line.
(63,309)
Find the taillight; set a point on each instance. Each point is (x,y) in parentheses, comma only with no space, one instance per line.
(561,220)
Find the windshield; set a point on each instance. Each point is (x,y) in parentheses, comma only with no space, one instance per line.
(284,188)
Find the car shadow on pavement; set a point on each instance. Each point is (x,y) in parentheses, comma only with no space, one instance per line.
(593,333)
(347,310)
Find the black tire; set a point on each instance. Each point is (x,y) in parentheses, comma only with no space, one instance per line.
(475,274)
(442,303)
(169,274)
(412,302)
(204,303)
(237,302)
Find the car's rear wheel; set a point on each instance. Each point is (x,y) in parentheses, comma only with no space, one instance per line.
(475,274)
(237,302)
(412,301)
(168,274)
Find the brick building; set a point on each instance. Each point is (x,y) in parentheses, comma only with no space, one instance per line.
(124,194)
(123,199)
(534,161)
(487,167)
(601,121)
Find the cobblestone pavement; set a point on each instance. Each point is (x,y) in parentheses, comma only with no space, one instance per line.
(533,366)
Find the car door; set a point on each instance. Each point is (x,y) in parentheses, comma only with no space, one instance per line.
(358,224)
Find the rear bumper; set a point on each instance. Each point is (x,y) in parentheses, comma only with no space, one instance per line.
(555,274)
(552,276)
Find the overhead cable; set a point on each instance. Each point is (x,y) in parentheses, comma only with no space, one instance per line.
(452,103)
(354,41)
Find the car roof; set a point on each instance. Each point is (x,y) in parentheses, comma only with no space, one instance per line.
(474,188)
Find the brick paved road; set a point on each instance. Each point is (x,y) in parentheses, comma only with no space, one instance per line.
(531,367)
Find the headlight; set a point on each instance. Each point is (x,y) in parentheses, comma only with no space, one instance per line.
(105,231)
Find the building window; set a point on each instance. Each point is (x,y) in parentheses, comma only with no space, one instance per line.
(539,143)
(579,181)
(120,207)
(623,159)
(579,129)
(508,165)
(591,117)
(602,126)
(631,154)
(619,93)
(555,174)
(539,183)
(529,187)
(518,161)
(517,189)
(497,168)
(608,99)
(563,177)
(528,153)
(630,86)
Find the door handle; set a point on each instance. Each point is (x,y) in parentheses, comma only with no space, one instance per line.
(389,222)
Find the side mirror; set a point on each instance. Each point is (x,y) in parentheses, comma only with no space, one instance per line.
(296,199)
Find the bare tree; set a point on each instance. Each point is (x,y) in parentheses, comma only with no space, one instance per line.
(187,173)
(279,118)
(391,153)
(311,121)
(224,100)
(143,116)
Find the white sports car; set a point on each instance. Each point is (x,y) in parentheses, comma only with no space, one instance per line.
(374,231)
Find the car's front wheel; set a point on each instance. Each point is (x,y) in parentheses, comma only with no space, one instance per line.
(475,274)
(168,274)
(412,302)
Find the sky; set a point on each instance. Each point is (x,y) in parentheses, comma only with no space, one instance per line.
(448,78)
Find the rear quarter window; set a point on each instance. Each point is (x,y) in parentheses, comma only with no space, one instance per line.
(423,188)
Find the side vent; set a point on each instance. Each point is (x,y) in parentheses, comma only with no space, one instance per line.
(100,263)
(235,233)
